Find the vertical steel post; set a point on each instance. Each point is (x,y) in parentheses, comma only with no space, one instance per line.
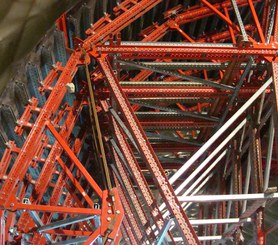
(2,227)
(269,154)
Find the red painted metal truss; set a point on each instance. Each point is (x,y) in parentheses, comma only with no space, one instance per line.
(173,119)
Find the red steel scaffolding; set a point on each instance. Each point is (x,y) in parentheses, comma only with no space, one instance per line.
(167,121)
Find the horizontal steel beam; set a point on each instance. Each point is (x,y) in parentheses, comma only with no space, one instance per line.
(163,83)
(55,209)
(179,75)
(204,238)
(218,221)
(232,197)
(176,44)
(177,90)
(177,111)
(187,51)
(188,65)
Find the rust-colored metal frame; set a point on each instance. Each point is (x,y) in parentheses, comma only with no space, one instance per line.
(121,213)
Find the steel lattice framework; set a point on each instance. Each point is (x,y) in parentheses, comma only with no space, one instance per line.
(165,123)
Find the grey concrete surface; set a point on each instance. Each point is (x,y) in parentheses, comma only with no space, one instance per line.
(22,26)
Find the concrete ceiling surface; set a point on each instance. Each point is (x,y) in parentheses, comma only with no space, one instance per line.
(22,24)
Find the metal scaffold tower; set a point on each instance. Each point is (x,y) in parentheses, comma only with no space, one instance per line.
(170,138)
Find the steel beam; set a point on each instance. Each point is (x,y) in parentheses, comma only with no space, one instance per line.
(176,90)
(147,152)
(72,156)
(119,23)
(204,174)
(219,132)
(218,221)
(187,65)
(219,14)
(22,162)
(210,157)
(162,235)
(176,74)
(207,238)
(239,20)
(236,91)
(234,197)
(139,179)
(181,51)
(269,154)
(132,195)
(2,228)
(65,222)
